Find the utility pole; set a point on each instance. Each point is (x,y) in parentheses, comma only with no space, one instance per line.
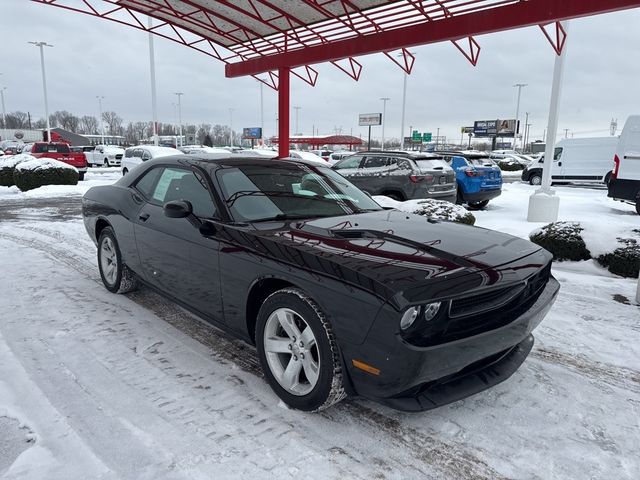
(4,113)
(437,138)
(41,45)
(100,97)
(384,116)
(179,95)
(566,133)
(152,68)
(231,126)
(297,109)
(524,137)
(515,128)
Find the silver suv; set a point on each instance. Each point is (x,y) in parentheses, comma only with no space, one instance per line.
(400,175)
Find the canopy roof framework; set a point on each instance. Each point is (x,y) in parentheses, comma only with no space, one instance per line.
(269,39)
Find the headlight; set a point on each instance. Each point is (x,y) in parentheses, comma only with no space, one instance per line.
(409,317)
(431,310)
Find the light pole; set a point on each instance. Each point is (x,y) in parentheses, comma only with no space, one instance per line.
(152,69)
(404,103)
(41,45)
(4,113)
(297,109)
(437,138)
(524,132)
(100,98)
(231,126)
(179,95)
(261,109)
(515,128)
(384,117)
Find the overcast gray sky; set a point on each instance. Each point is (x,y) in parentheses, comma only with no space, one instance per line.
(93,57)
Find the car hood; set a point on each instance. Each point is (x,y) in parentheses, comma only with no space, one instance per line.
(392,251)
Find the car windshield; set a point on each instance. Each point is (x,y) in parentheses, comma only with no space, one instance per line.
(281,191)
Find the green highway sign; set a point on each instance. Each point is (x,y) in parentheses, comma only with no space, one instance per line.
(426,137)
(416,136)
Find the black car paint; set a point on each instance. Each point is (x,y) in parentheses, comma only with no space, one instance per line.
(363,270)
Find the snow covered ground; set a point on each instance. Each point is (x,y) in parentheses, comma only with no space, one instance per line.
(96,385)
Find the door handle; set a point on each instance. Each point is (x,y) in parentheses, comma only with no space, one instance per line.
(559,164)
(144,216)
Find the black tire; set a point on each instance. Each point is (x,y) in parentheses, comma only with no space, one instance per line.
(106,163)
(638,205)
(80,176)
(329,388)
(478,205)
(124,171)
(535,179)
(125,280)
(607,178)
(459,197)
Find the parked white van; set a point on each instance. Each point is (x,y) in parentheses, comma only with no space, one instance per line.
(625,179)
(577,160)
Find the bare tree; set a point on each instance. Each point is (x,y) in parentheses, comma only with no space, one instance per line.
(113,121)
(67,120)
(203,132)
(40,123)
(16,120)
(88,125)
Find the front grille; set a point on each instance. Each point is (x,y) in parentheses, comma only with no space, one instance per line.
(119,157)
(480,313)
(482,302)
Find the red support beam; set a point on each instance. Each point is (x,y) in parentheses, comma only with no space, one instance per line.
(283,111)
(516,15)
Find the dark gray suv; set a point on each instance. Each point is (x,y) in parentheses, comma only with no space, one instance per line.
(400,175)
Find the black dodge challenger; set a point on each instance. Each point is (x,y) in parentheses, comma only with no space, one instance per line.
(340,296)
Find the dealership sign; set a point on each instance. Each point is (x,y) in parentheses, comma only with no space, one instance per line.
(369,119)
(494,128)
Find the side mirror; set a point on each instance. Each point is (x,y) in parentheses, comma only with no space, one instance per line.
(178,209)
(368,194)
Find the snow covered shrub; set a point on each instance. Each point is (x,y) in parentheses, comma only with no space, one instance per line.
(563,240)
(43,171)
(510,166)
(8,165)
(444,211)
(625,260)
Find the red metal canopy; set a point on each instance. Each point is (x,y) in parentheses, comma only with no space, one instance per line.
(319,141)
(272,38)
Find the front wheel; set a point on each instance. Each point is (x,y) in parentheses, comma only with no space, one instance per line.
(478,205)
(106,162)
(124,171)
(80,176)
(535,179)
(116,276)
(298,351)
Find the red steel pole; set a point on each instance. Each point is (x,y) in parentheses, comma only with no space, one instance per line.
(283,112)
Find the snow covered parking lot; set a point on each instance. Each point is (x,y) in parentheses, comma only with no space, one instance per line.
(97,385)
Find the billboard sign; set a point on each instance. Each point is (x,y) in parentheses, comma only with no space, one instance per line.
(252,133)
(369,119)
(466,130)
(494,128)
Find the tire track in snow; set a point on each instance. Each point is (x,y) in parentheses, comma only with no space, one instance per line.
(190,406)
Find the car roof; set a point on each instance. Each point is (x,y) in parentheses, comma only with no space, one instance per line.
(221,160)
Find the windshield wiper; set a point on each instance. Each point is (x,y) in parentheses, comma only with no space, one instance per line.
(282,216)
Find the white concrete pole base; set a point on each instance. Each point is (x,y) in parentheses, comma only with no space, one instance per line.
(543,207)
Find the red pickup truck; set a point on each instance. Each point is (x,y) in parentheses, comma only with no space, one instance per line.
(59,151)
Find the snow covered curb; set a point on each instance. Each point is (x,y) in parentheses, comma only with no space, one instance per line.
(429,208)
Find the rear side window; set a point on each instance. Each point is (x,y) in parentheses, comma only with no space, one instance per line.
(148,182)
(39,148)
(375,162)
(400,164)
(61,148)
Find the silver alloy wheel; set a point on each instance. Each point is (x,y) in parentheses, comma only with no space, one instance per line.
(109,261)
(291,351)
(536,180)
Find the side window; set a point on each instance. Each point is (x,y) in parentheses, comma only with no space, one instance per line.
(145,155)
(557,154)
(400,164)
(147,183)
(375,162)
(349,162)
(39,148)
(179,184)
(128,153)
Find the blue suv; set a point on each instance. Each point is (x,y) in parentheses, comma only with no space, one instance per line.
(478,178)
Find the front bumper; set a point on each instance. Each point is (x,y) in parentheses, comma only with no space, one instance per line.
(421,378)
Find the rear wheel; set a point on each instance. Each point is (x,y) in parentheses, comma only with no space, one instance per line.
(478,205)
(459,197)
(124,171)
(116,276)
(80,176)
(535,179)
(298,351)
